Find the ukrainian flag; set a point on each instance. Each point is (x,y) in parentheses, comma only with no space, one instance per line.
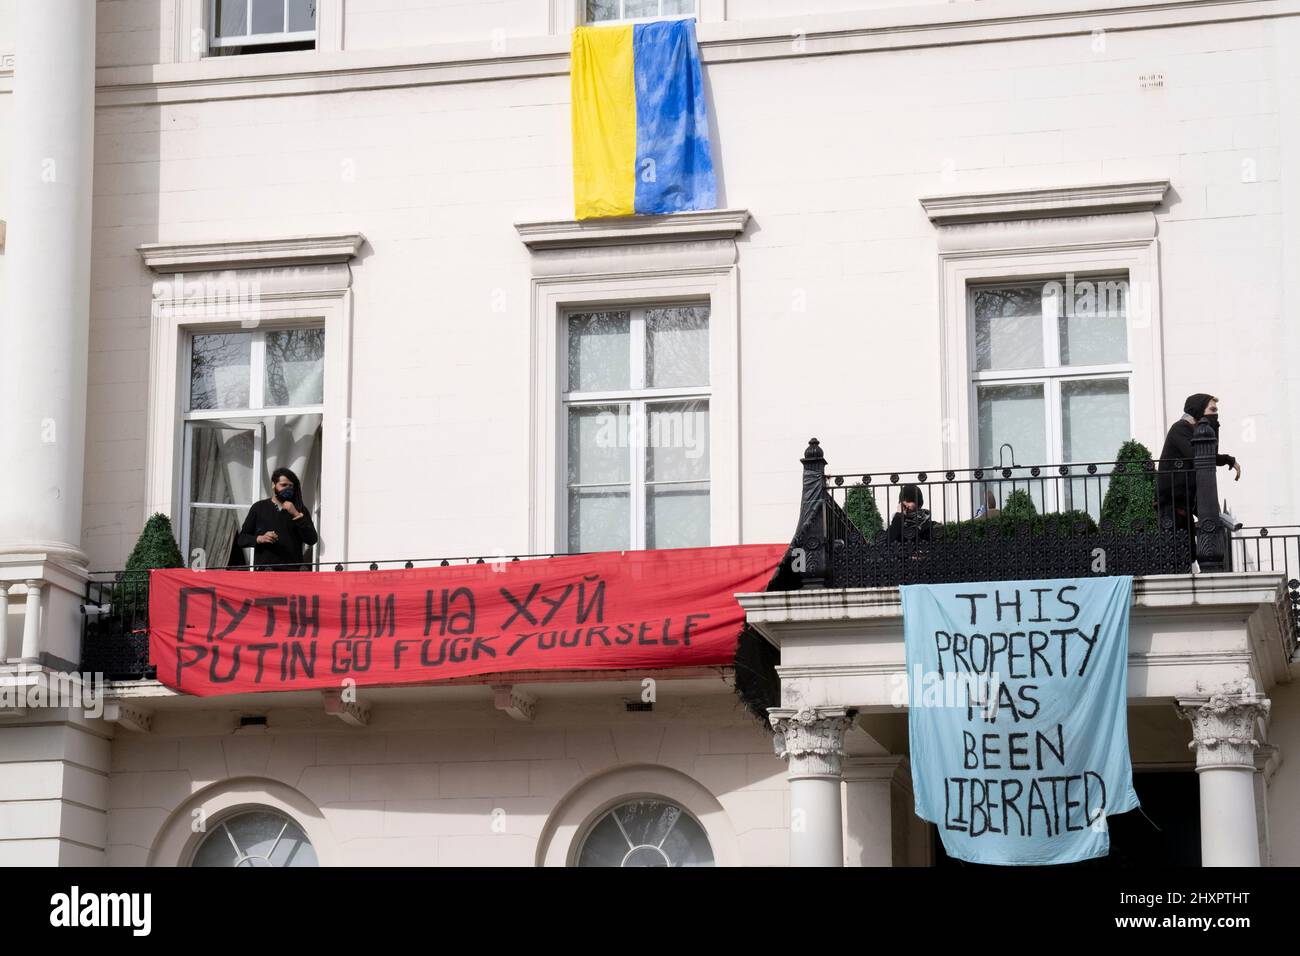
(640,127)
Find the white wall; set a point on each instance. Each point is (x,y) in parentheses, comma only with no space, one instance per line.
(6,101)
(380,24)
(829,154)
(420,784)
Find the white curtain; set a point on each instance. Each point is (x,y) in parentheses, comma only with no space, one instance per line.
(223,472)
(294,442)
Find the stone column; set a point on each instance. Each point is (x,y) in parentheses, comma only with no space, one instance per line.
(45,322)
(4,621)
(1225,739)
(811,741)
(31,652)
(870,833)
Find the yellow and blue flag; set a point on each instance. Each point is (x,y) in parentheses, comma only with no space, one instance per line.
(640,126)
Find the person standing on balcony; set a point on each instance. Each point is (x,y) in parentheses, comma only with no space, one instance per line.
(279,527)
(912,522)
(1176,483)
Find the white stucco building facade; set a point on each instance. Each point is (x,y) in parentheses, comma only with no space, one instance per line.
(344,242)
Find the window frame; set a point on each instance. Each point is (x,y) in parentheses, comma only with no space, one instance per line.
(595,819)
(665,280)
(1113,244)
(1052,375)
(214,827)
(252,414)
(586,20)
(259,39)
(314,291)
(639,398)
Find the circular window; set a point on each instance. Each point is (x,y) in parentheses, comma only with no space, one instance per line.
(646,833)
(256,838)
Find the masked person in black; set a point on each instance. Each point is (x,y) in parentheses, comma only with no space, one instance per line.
(279,527)
(1176,485)
(912,522)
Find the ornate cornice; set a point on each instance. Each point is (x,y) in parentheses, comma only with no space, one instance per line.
(676,227)
(1085,200)
(1223,728)
(810,739)
(205,256)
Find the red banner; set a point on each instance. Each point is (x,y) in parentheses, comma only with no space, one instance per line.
(232,632)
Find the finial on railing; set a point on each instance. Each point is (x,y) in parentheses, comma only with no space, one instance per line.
(1211,537)
(811,538)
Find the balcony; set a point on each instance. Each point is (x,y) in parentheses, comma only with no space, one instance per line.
(1022,522)
(115,615)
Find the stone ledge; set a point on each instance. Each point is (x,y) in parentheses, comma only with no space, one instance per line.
(675,227)
(207,256)
(1084,200)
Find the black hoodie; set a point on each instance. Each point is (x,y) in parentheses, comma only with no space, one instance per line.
(1180,491)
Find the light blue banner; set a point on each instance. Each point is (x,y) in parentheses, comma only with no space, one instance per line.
(1017,694)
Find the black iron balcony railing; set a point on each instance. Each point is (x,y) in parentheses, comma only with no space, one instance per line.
(1019,522)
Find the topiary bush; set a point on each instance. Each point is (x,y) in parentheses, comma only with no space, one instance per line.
(1019,506)
(860,506)
(155,548)
(1130,502)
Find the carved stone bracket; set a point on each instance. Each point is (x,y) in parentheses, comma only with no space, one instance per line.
(351,712)
(132,718)
(811,739)
(515,702)
(1223,728)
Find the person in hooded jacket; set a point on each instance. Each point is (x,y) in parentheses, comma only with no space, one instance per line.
(1175,485)
(912,522)
(279,528)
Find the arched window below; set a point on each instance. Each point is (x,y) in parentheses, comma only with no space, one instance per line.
(255,838)
(646,832)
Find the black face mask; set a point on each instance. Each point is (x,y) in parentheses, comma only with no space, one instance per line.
(1213,420)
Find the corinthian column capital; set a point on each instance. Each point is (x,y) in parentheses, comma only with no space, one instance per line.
(1223,728)
(810,739)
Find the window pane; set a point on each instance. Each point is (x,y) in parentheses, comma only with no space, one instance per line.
(295,367)
(219,370)
(601,10)
(640,8)
(677,441)
(678,515)
(1095,418)
(1009,327)
(598,445)
(598,519)
(256,839)
(302,15)
(213,531)
(599,351)
(1013,414)
(646,833)
(232,18)
(678,7)
(1094,327)
(268,16)
(677,346)
(221,468)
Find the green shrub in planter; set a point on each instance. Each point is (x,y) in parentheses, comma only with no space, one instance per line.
(155,548)
(1019,505)
(1130,502)
(860,506)
(1053,524)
